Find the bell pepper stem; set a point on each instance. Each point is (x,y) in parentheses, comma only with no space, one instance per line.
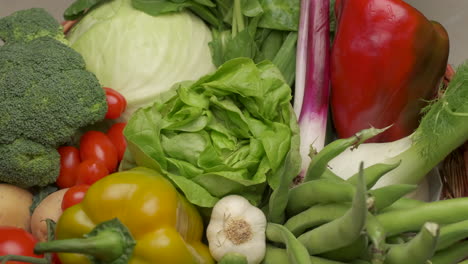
(106,245)
(109,241)
(6,258)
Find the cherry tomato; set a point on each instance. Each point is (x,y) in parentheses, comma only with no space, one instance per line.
(74,195)
(116,103)
(69,161)
(95,145)
(16,241)
(115,134)
(90,171)
(55,259)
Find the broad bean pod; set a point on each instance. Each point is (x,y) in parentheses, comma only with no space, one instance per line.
(451,255)
(276,255)
(442,212)
(356,250)
(314,192)
(374,173)
(342,231)
(325,191)
(451,234)
(319,162)
(297,253)
(377,235)
(403,204)
(314,216)
(418,250)
(387,195)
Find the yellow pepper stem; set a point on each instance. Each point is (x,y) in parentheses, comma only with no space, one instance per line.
(109,242)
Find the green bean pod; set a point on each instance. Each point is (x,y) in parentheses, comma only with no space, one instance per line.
(442,212)
(374,173)
(387,195)
(342,231)
(314,216)
(403,204)
(451,255)
(451,234)
(276,255)
(319,162)
(418,250)
(313,192)
(297,253)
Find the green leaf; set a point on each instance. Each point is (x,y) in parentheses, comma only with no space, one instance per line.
(280,14)
(251,8)
(78,8)
(159,7)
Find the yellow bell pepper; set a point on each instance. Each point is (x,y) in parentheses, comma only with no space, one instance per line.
(134,217)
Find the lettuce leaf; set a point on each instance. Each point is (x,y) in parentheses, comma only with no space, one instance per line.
(227,133)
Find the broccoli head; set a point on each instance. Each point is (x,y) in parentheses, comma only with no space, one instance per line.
(46,95)
(26,163)
(29,24)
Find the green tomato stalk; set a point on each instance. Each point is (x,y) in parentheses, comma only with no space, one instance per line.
(443,128)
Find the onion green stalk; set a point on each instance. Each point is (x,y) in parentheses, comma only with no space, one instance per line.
(443,128)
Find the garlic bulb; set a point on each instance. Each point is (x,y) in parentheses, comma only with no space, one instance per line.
(236,226)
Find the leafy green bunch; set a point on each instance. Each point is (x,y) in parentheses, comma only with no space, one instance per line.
(230,132)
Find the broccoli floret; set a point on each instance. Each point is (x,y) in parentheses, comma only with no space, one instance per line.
(29,24)
(26,163)
(46,95)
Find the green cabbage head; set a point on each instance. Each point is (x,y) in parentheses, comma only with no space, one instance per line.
(141,55)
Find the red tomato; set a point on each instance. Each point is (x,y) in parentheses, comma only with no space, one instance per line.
(69,161)
(16,241)
(55,259)
(95,145)
(74,195)
(115,134)
(116,103)
(91,171)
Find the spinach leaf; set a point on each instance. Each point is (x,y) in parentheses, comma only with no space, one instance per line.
(78,8)
(280,14)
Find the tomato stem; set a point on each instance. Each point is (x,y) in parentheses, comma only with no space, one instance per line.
(109,242)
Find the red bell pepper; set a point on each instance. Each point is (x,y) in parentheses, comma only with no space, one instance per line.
(387,61)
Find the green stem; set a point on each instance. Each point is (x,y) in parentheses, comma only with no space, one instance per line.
(33,260)
(107,245)
(109,242)
(237,18)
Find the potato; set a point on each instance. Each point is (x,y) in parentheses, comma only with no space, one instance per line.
(14,206)
(49,208)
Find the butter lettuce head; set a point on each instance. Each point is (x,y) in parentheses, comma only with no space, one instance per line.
(227,133)
(141,55)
